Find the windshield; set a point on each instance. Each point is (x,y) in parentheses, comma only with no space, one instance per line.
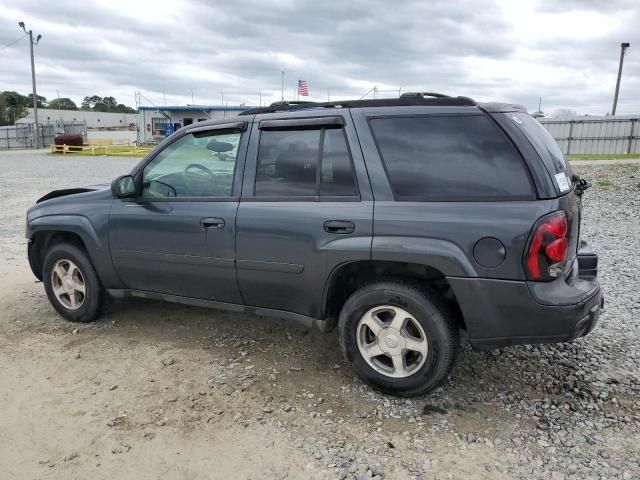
(542,141)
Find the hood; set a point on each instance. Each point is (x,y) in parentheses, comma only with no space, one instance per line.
(72,191)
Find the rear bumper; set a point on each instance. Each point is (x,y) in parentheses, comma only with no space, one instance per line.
(498,313)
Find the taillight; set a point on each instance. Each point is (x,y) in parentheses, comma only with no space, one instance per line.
(548,246)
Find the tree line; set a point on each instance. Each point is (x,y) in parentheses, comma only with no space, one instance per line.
(13,105)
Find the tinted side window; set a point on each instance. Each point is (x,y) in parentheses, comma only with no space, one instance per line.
(337,174)
(289,160)
(450,158)
(287,163)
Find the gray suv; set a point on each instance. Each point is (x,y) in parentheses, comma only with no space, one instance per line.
(398,221)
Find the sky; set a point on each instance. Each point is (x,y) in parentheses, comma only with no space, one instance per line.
(207,52)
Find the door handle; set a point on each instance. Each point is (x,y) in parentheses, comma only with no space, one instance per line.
(339,226)
(212,222)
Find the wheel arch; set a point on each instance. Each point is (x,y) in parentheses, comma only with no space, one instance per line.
(45,231)
(348,277)
(41,241)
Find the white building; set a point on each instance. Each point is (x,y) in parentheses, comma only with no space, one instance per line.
(93,119)
(155,123)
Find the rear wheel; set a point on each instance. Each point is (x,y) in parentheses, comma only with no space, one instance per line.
(400,338)
(71,283)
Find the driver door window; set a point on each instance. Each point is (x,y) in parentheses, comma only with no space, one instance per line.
(197,165)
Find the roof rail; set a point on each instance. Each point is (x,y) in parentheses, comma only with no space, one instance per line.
(424,94)
(403,101)
(285,103)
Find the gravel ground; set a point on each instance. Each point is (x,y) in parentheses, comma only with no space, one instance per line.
(165,391)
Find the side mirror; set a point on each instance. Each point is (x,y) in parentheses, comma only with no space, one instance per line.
(123,186)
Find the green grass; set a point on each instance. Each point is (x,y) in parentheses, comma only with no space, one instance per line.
(604,183)
(603,156)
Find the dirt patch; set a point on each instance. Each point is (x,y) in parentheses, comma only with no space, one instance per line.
(157,390)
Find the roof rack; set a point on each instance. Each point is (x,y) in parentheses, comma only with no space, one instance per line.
(423,94)
(286,103)
(405,100)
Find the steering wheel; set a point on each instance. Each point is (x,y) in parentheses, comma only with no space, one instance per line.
(188,179)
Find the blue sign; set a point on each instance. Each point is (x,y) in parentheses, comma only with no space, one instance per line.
(168,129)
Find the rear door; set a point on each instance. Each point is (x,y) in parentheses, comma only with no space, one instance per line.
(451,190)
(306,207)
(178,236)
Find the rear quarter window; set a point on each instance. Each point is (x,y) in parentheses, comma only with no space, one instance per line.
(542,141)
(450,158)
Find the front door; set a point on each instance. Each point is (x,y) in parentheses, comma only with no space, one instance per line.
(306,208)
(178,236)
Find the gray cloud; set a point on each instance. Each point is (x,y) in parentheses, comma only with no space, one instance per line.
(461,47)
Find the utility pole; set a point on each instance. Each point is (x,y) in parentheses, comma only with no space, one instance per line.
(36,138)
(60,119)
(623,47)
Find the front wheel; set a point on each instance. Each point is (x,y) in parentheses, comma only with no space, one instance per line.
(400,338)
(71,283)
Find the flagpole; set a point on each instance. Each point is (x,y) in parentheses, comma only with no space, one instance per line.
(282,85)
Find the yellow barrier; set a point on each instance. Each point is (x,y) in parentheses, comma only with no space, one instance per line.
(124,150)
(100,142)
(105,141)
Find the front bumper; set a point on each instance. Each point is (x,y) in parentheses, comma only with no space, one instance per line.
(498,313)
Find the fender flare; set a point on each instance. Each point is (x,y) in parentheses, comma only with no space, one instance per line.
(441,255)
(80,225)
(445,256)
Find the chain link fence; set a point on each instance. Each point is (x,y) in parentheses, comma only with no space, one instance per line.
(21,135)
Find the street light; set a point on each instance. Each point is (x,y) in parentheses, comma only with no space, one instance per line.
(623,47)
(36,138)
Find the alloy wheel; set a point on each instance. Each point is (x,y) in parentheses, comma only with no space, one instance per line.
(392,341)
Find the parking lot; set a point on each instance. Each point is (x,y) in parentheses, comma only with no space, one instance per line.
(168,391)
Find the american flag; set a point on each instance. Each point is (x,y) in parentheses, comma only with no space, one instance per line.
(303,88)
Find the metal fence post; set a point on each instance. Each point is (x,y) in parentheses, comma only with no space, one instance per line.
(570,137)
(633,123)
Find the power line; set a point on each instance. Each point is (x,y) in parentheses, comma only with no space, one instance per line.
(14,42)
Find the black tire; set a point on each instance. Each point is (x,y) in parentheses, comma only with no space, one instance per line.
(93,299)
(436,318)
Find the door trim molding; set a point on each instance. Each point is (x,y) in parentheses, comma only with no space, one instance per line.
(270,266)
(173,258)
